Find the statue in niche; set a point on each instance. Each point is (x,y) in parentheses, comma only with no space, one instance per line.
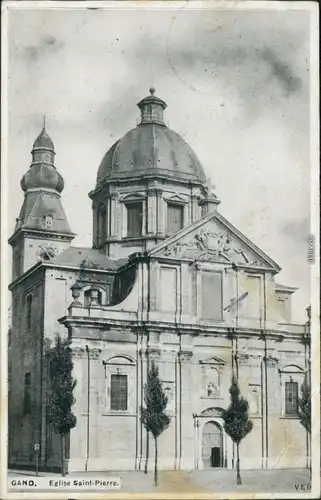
(169,392)
(254,400)
(212,385)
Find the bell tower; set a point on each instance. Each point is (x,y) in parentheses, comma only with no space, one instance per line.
(42,230)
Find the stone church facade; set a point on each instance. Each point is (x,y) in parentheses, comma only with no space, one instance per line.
(168,279)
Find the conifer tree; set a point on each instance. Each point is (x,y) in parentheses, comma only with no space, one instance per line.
(153,414)
(305,408)
(61,397)
(236,421)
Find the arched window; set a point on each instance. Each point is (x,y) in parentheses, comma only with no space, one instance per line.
(29,312)
(292,377)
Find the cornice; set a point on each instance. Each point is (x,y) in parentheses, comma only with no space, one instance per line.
(40,234)
(180,329)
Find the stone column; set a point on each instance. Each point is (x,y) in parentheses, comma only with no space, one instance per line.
(186,452)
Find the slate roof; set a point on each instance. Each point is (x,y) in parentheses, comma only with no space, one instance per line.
(151,148)
(87,258)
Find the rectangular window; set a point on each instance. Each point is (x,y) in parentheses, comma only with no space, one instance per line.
(175,218)
(27,394)
(291,398)
(134,219)
(211,295)
(118,392)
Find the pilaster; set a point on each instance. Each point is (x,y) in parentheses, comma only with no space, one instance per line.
(160,228)
(186,454)
(113,213)
(151,211)
(195,208)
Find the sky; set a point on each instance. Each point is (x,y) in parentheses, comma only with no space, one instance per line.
(236,83)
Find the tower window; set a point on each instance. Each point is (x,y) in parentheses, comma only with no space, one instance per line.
(175,218)
(134,218)
(291,398)
(27,394)
(48,221)
(118,392)
(92,297)
(29,312)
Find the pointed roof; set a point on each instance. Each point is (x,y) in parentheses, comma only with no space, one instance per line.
(43,141)
(37,205)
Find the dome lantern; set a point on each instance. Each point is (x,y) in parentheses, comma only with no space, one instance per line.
(152,109)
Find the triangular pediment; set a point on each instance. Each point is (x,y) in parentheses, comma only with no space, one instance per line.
(214,239)
(176,198)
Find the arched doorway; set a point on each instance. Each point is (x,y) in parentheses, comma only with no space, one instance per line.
(212,445)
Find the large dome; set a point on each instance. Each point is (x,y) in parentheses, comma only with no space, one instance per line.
(151,148)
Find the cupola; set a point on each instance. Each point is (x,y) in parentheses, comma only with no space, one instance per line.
(42,172)
(152,108)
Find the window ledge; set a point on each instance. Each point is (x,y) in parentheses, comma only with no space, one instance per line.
(212,397)
(291,417)
(118,413)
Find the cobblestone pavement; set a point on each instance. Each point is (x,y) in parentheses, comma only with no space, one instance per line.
(205,481)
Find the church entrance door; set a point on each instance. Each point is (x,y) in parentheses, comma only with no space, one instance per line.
(212,445)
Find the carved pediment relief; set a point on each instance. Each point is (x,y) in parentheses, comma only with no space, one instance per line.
(209,245)
(214,240)
(212,412)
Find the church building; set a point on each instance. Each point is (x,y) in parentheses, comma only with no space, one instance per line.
(168,279)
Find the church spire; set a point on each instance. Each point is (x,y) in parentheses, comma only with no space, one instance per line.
(152,109)
(42,216)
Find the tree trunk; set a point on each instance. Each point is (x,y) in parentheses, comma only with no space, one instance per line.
(63,455)
(147,453)
(310,457)
(155,466)
(238,475)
